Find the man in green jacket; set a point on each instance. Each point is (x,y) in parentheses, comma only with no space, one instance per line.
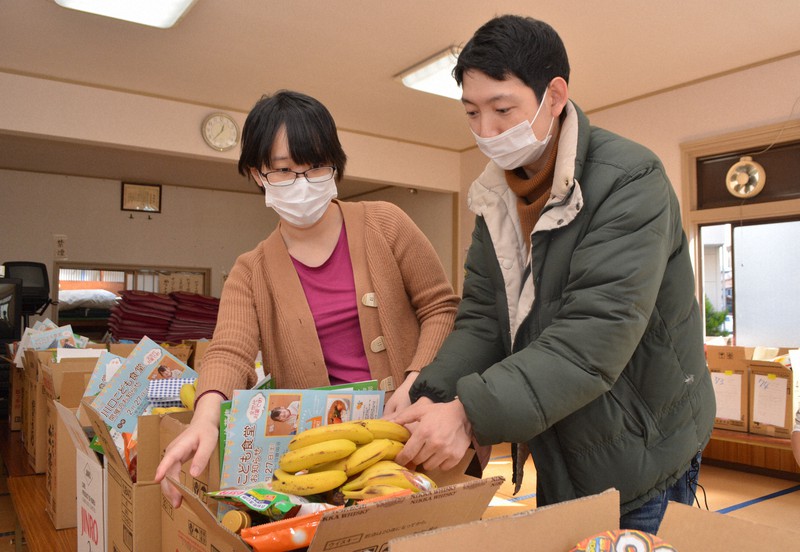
(579,335)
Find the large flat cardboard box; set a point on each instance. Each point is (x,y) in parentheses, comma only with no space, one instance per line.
(560,527)
(133,507)
(199,349)
(729,375)
(16,394)
(358,528)
(774,397)
(90,493)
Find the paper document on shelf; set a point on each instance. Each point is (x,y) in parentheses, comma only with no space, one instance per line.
(769,400)
(728,392)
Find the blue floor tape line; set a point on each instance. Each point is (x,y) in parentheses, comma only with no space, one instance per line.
(757,500)
(499,458)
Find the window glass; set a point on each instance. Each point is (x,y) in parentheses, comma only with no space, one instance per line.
(750,282)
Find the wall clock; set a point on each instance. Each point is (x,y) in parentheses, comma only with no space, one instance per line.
(220,131)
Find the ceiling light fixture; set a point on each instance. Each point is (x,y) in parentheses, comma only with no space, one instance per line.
(154,13)
(434,75)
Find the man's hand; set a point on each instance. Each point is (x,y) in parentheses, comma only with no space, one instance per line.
(198,440)
(400,399)
(441,435)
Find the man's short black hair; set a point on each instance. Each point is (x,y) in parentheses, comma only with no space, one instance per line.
(310,131)
(524,47)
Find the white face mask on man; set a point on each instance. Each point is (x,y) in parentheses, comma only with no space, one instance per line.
(302,203)
(517,146)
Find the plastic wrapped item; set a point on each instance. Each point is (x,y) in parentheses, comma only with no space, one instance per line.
(285,535)
(623,539)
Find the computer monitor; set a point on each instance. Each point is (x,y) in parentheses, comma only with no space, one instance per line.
(10,309)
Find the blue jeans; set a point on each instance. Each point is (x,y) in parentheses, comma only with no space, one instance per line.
(648,516)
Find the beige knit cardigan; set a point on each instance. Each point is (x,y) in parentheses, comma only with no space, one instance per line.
(406,307)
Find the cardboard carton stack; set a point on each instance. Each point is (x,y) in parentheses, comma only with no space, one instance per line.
(755,388)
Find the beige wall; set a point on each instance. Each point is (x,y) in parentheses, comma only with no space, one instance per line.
(37,206)
(752,98)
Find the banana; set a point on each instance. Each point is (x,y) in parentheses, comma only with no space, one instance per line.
(308,483)
(359,481)
(335,465)
(367,455)
(384,429)
(356,433)
(157,411)
(393,449)
(374,491)
(315,455)
(187,394)
(405,479)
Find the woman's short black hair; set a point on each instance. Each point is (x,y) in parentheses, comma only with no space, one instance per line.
(524,47)
(310,131)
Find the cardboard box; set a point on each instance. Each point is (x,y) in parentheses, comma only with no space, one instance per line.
(60,474)
(34,411)
(729,375)
(16,394)
(63,384)
(199,349)
(183,352)
(133,520)
(560,527)
(774,397)
(357,528)
(92,500)
(90,486)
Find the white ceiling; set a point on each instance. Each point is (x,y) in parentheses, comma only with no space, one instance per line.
(226,53)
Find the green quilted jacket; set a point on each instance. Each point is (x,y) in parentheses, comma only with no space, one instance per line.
(592,354)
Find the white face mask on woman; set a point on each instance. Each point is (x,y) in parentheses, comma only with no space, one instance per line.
(302,203)
(517,146)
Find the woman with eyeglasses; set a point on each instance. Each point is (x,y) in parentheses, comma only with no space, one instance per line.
(339,292)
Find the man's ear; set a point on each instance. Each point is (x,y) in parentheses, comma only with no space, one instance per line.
(558,96)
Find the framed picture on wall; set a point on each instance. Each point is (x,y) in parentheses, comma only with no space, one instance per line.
(141,197)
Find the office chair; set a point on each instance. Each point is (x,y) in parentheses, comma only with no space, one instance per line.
(35,286)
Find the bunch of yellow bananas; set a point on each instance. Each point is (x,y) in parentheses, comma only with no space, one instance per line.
(354,456)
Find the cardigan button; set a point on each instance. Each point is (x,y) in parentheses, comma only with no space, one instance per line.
(369,300)
(386,384)
(377,345)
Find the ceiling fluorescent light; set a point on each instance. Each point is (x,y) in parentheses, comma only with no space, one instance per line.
(434,75)
(154,13)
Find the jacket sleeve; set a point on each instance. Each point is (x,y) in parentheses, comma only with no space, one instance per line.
(613,277)
(476,341)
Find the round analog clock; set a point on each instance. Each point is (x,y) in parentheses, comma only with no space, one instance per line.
(220,131)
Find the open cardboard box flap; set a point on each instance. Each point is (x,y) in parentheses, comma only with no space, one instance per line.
(148,455)
(690,529)
(555,528)
(372,524)
(559,527)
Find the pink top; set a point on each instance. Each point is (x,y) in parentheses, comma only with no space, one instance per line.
(331,294)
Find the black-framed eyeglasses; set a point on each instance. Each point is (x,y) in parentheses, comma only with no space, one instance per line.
(287,177)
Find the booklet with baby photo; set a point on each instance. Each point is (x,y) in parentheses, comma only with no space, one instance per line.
(124,397)
(261,423)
